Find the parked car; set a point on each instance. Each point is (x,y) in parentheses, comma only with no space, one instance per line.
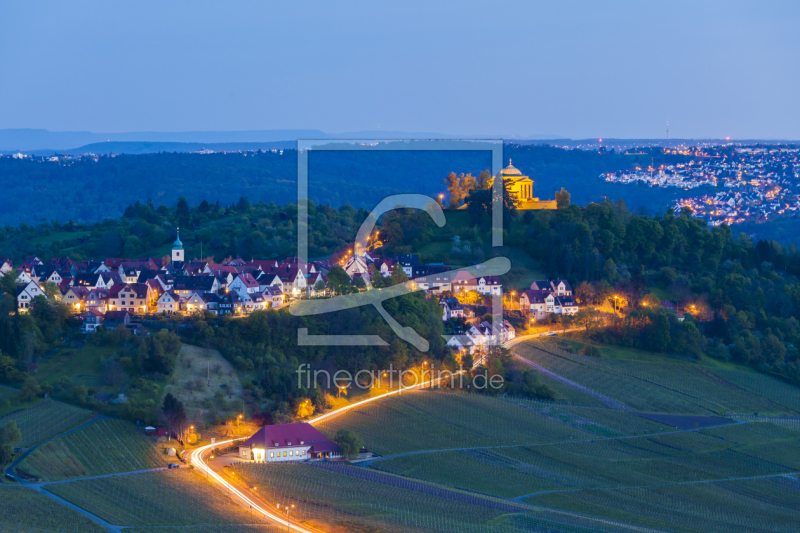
(551,334)
(173,465)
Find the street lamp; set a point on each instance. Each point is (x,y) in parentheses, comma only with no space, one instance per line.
(615,303)
(286,507)
(238,433)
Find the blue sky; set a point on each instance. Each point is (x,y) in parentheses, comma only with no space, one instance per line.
(574,69)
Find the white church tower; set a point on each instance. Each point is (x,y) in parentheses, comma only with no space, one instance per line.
(177,249)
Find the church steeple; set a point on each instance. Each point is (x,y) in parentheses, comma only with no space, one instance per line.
(177,248)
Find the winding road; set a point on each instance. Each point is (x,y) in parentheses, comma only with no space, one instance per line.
(197,459)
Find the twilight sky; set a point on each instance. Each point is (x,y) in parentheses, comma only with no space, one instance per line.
(570,68)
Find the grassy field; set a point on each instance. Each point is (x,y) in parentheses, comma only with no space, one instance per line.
(157,499)
(196,364)
(26,511)
(104,447)
(44,419)
(81,365)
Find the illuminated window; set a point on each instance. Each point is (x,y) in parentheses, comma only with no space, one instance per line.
(291,453)
(284,454)
(272,454)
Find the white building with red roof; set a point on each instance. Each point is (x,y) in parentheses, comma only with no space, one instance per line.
(288,442)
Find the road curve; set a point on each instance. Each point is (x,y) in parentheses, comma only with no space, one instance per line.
(196,456)
(196,460)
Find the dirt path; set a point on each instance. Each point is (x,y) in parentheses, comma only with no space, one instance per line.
(609,402)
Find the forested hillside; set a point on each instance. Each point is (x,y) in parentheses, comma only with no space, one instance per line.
(88,191)
(263,231)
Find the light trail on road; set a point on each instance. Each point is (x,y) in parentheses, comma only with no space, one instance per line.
(196,459)
(196,456)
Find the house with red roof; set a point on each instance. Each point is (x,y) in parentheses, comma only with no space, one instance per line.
(288,442)
(243,285)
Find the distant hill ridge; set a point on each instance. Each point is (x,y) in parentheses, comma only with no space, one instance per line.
(33,140)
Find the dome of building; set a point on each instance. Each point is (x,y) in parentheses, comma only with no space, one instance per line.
(511,170)
(178,243)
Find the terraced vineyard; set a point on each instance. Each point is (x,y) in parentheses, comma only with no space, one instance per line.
(44,420)
(767,504)
(745,450)
(24,510)
(165,498)
(601,422)
(104,447)
(668,387)
(426,420)
(355,499)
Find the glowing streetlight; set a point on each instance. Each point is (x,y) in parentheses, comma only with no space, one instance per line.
(286,507)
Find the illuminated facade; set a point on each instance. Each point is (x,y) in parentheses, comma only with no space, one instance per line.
(288,442)
(522,189)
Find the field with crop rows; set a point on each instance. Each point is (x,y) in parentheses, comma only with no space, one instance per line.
(104,447)
(718,390)
(166,498)
(600,421)
(436,419)
(714,387)
(355,499)
(637,393)
(745,450)
(754,505)
(26,511)
(44,420)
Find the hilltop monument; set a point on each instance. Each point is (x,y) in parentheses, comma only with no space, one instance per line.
(522,188)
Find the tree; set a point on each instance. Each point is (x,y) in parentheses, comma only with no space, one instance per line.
(174,412)
(586,317)
(585,293)
(8,370)
(303,408)
(455,189)
(10,435)
(610,270)
(51,290)
(651,300)
(469,184)
(243,204)
(349,442)
(484,179)
(339,281)
(657,335)
(566,321)
(30,390)
(182,211)
(562,198)
(478,204)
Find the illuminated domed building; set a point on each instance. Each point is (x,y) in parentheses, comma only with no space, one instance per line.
(522,188)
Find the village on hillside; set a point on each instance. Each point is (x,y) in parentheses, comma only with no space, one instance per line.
(116,291)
